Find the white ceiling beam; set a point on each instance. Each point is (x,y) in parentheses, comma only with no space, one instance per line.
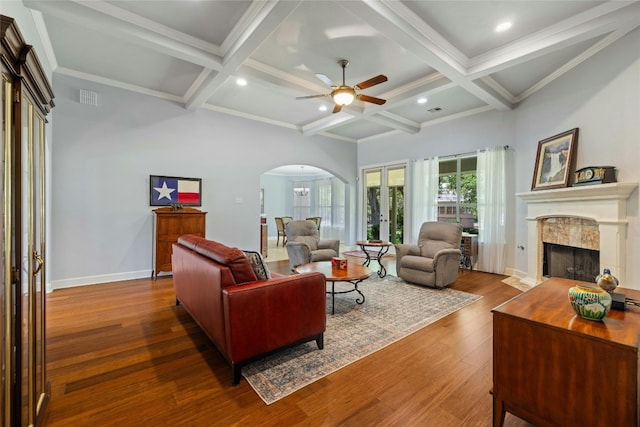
(265,21)
(399,23)
(326,123)
(108,19)
(394,121)
(583,56)
(592,23)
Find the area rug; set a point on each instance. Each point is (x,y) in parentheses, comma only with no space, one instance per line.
(392,310)
(516,283)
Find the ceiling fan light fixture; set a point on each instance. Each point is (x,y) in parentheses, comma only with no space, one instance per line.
(343,96)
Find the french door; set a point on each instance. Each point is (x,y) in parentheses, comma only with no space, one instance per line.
(384,207)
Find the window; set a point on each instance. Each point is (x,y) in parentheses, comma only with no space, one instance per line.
(301,199)
(457,192)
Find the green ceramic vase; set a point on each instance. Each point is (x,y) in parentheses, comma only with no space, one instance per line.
(589,302)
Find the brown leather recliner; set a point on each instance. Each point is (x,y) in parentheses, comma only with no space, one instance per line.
(245,318)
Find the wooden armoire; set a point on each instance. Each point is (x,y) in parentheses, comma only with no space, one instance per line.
(26,98)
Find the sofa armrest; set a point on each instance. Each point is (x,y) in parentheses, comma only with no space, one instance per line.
(407,249)
(402,250)
(330,244)
(446,263)
(270,314)
(299,253)
(443,254)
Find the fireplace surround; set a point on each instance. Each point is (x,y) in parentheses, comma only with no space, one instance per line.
(606,204)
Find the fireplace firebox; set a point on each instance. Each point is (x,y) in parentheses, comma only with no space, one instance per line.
(570,262)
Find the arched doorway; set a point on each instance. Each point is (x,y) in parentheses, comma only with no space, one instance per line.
(302,191)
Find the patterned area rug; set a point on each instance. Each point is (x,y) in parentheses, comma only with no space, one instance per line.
(392,310)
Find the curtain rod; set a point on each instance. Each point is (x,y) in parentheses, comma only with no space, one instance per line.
(467,154)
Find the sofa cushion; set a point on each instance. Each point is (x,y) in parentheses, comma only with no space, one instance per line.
(311,241)
(259,266)
(233,258)
(417,263)
(431,247)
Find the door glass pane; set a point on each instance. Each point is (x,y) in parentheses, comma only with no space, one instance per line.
(38,246)
(373,180)
(395,182)
(25,270)
(5,90)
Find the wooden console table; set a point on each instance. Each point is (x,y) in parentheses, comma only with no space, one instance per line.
(551,367)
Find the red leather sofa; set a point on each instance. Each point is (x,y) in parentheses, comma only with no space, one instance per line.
(245,318)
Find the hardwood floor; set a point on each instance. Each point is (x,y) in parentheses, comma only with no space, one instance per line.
(123,354)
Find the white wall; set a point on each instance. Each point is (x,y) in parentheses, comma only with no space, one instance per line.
(103,156)
(601,97)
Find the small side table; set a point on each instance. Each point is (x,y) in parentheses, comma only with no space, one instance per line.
(383,249)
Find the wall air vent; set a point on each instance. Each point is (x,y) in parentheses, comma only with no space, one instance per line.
(434,109)
(88,97)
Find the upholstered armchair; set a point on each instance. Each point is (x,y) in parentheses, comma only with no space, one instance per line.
(304,244)
(435,260)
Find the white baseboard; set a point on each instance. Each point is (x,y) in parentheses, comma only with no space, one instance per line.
(514,273)
(94,280)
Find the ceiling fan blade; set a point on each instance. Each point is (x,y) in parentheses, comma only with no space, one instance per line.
(312,96)
(372,99)
(337,108)
(324,79)
(372,81)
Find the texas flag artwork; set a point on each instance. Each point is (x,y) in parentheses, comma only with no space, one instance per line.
(168,190)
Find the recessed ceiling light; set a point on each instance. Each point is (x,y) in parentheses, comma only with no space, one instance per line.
(323,108)
(504,26)
(422,100)
(241,82)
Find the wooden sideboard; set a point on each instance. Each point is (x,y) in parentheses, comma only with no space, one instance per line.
(551,367)
(168,225)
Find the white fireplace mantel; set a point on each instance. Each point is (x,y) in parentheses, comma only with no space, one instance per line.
(605,203)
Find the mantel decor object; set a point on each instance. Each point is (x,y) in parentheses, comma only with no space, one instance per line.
(555,161)
(589,302)
(591,175)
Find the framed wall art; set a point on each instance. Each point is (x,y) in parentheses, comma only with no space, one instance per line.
(172,190)
(555,161)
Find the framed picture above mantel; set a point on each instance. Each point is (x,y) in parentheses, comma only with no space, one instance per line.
(174,191)
(555,161)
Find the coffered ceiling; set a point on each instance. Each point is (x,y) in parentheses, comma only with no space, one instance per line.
(447,52)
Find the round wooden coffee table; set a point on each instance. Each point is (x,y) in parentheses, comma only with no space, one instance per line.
(354,274)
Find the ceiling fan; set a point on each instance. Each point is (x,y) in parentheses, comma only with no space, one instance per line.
(344,95)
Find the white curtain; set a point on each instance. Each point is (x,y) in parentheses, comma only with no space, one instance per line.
(424,195)
(494,186)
